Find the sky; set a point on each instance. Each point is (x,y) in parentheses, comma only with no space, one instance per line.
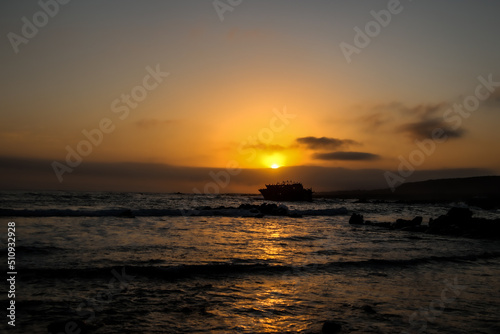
(206,96)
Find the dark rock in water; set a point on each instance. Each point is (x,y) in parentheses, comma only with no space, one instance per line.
(331,327)
(362,200)
(417,228)
(459,213)
(68,326)
(126,214)
(460,216)
(356,219)
(449,223)
(378,224)
(186,310)
(457,222)
(368,309)
(401,223)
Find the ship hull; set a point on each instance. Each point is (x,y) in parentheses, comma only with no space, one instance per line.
(287,196)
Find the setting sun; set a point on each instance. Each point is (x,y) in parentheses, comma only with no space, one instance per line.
(274,166)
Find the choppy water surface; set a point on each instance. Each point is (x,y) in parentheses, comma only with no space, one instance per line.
(162,272)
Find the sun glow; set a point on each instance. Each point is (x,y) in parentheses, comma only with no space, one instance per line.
(274,160)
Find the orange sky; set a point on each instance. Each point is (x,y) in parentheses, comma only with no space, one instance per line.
(230,82)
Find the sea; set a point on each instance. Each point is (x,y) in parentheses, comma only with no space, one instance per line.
(110,262)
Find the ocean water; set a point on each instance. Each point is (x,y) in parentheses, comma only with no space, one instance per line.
(177,263)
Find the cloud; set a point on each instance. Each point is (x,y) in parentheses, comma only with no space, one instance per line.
(424,110)
(37,174)
(267,147)
(424,129)
(147,123)
(315,143)
(346,156)
(376,120)
(383,114)
(420,120)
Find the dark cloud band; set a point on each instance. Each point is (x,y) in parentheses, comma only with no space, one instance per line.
(346,156)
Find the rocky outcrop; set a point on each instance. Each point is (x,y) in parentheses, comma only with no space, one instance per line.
(356,219)
(402,223)
(457,222)
(460,221)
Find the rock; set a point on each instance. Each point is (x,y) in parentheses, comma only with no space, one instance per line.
(368,309)
(460,216)
(331,327)
(453,223)
(383,224)
(440,222)
(356,219)
(378,224)
(459,221)
(402,223)
(418,228)
(459,213)
(456,222)
(362,200)
(186,310)
(126,214)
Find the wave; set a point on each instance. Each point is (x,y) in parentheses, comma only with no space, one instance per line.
(202,212)
(224,269)
(34,250)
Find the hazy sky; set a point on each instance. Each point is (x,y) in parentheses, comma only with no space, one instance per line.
(285,82)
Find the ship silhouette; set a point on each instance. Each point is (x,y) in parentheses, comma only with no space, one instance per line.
(286,191)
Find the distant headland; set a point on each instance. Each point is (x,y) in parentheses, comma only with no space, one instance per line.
(483,191)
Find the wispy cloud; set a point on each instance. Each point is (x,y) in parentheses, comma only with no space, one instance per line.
(424,129)
(267,147)
(429,118)
(376,120)
(424,110)
(37,174)
(418,122)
